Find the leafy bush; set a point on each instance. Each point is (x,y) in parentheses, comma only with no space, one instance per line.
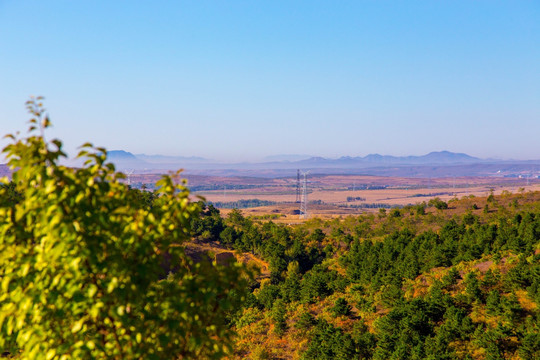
(438,204)
(267,295)
(451,278)
(305,321)
(341,307)
(249,316)
(278,317)
(329,342)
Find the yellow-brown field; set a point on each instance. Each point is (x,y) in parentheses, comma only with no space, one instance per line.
(333,193)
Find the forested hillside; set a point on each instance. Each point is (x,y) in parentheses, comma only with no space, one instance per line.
(457,280)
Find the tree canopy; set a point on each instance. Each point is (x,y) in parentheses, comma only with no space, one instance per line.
(89,272)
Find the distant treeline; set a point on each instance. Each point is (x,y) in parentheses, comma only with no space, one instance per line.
(367,187)
(355,198)
(242,204)
(370,206)
(430,194)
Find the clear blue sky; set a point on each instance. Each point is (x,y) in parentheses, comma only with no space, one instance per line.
(239,80)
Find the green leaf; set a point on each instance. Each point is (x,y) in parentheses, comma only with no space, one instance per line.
(77,326)
(50,354)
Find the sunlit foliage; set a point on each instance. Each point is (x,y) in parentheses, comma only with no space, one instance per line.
(89,271)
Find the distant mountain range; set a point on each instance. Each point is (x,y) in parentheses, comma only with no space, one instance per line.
(142,161)
(434,164)
(435,158)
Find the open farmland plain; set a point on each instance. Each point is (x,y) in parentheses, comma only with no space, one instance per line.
(337,195)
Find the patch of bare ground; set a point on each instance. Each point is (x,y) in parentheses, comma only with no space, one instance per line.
(215,252)
(484,266)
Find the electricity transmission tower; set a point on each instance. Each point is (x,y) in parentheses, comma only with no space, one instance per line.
(303,204)
(298,186)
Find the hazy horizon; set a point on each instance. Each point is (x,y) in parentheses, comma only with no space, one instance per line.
(240,81)
(299,157)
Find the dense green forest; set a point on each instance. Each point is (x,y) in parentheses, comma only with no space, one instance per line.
(458,280)
(242,204)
